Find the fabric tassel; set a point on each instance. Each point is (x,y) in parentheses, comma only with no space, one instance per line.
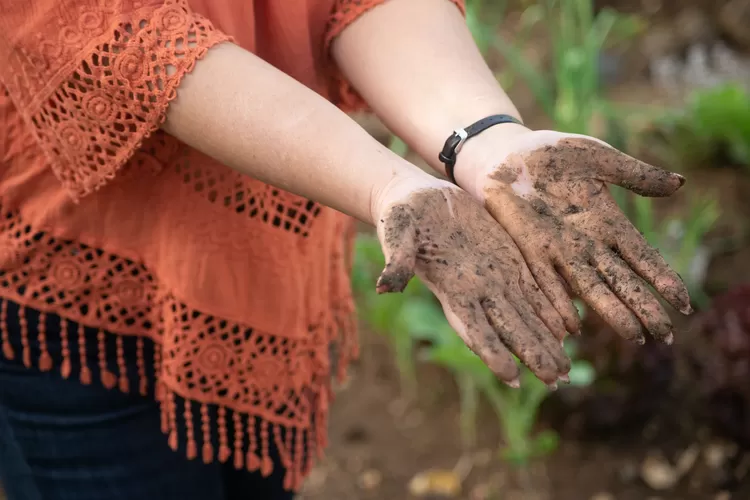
(26,350)
(289,478)
(172,419)
(65,366)
(140,360)
(293,466)
(192,447)
(311,445)
(252,463)
(108,378)
(287,456)
(123,381)
(85,370)
(45,360)
(266,467)
(224,451)
(7,348)
(299,456)
(283,445)
(164,415)
(208,449)
(238,440)
(160,387)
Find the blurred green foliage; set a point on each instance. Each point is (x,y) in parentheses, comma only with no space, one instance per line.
(483,17)
(569,89)
(713,129)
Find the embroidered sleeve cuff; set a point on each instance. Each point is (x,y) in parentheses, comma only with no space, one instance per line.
(103,85)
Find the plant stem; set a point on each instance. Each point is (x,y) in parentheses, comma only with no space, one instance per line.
(469,406)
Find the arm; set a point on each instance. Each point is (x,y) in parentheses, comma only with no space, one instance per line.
(265,124)
(440,79)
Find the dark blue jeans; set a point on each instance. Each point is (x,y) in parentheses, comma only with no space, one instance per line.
(62,440)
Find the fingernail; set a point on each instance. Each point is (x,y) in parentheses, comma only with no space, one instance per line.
(393,278)
(552,386)
(681,179)
(515,383)
(687,310)
(640,340)
(669,338)
(565,379)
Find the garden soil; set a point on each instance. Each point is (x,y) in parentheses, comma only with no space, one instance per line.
(380,445)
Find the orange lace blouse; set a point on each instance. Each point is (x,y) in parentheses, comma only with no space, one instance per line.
(110,223)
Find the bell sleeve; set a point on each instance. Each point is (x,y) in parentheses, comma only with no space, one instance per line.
(93,78)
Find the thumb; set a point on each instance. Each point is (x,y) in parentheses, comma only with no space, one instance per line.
(398,237)
(607,164)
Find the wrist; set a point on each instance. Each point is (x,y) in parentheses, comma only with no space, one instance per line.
(402,184)
(479,156)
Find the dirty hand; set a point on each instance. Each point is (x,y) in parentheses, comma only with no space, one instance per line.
(440,233)
(549,191)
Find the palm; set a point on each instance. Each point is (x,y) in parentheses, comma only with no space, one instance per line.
(552,198)
(476,271)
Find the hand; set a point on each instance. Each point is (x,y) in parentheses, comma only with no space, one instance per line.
(440,233)
(549,191)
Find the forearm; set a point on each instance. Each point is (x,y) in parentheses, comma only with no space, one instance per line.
(416,64)
(253,118)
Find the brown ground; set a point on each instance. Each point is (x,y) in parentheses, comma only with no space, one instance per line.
(379,444)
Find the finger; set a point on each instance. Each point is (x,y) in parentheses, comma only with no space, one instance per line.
(652,267)
(472,326)
(554,288)
(519,338)
(541,304)
(541,333)
(615,167)
(635,293)
(398,236)
(587,284)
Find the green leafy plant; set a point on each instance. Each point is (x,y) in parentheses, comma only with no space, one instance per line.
(569,91)
(712,129)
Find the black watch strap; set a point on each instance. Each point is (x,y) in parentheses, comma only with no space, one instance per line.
(454,143)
